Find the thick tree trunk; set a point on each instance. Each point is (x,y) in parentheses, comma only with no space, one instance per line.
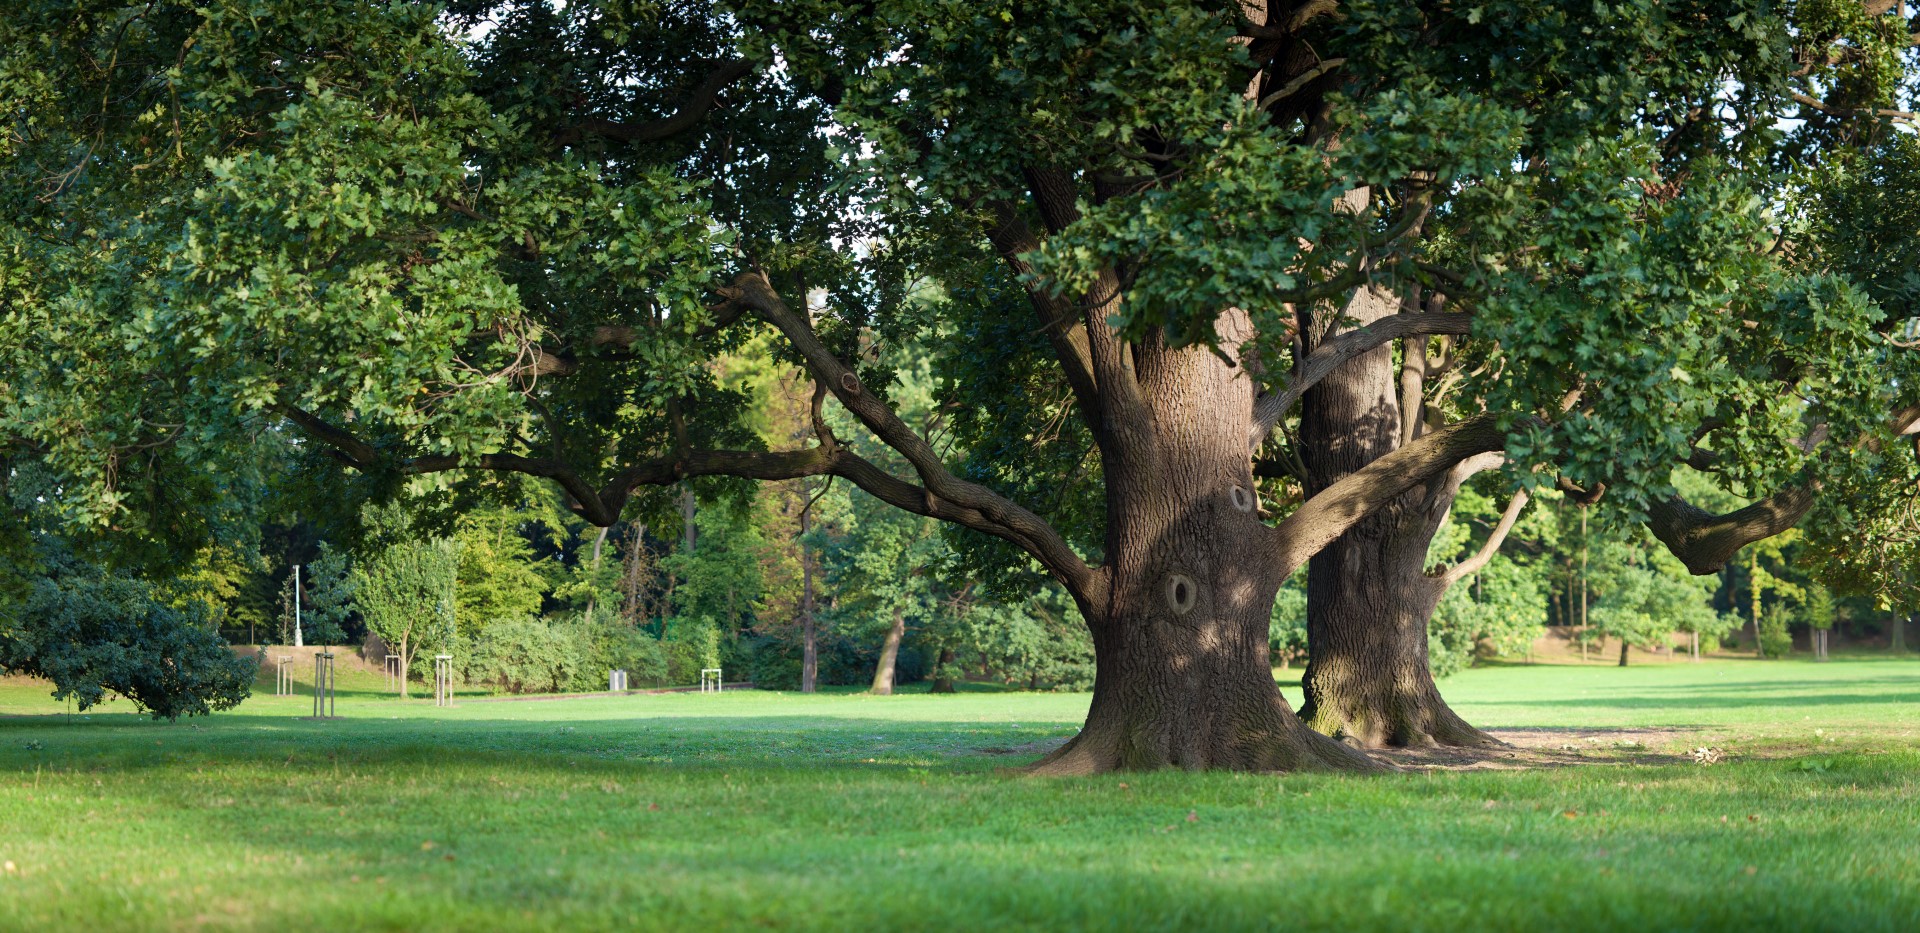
(1183,679)
(943,678)
(1179,616)
(1367,678)
(1899,642)
(1623,652)
(1368,594)
(889,653)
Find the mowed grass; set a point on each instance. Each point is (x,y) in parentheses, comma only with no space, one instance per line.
(844,811)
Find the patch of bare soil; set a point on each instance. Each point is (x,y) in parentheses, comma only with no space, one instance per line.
(1527,749)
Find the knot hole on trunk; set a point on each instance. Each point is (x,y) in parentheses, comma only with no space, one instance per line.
(1242,498)
(1182,593)
(850,383)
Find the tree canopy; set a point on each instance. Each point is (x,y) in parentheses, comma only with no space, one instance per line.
(1173,257)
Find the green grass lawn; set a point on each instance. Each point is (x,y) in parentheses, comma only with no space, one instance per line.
(844,811)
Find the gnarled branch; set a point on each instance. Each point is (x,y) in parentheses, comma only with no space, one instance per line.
(682,119)
(1336,351)
(1339,507)
(1491,546)
(999,516)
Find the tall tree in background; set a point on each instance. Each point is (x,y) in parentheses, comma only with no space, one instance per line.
(437,249)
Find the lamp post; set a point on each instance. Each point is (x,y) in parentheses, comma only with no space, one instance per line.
(296,606)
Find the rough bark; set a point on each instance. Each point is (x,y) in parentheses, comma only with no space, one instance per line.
(1183,676)
(1369,597)
(889,653)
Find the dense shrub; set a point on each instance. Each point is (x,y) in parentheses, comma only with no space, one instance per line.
(92,635)
(525,656)
(690,644)
(607,643)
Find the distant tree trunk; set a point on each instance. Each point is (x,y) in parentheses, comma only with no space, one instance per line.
(1899,645)
(406,664)
(889,652)
(943,674)
(689,510)
(599,541)
(1696,646)
(809,649)
(1623,652)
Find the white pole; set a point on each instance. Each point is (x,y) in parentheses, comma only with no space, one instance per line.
(296,606)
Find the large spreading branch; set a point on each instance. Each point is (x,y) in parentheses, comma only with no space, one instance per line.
(1328,515)
(1336,351)
(1705,542)
(602,505)
(989,511)
(684,118)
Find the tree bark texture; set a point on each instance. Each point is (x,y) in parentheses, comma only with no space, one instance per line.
(809,647)
(889,653)
(1369,597)
(1183,676)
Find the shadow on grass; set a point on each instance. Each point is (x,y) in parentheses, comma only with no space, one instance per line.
(685,742)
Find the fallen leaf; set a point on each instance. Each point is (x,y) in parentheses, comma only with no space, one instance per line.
(1193,816)
(10,868)
(1751,870)
(426,846)
(1570,814)
(448,856)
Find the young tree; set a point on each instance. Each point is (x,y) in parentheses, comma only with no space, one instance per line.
(404,591)
(435,248)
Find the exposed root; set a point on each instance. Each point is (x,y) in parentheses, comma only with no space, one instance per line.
(1298,749)
(1399,722)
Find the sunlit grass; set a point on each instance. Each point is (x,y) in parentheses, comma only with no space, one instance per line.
(848,811)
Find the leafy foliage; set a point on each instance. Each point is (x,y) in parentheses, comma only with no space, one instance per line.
(91,633)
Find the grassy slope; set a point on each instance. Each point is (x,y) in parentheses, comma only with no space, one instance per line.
(756,809)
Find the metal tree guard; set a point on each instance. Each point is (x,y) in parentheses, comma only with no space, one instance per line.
(323,685)
(283,684)
(443,680)
(616,680)
(709,680)
(394,675)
